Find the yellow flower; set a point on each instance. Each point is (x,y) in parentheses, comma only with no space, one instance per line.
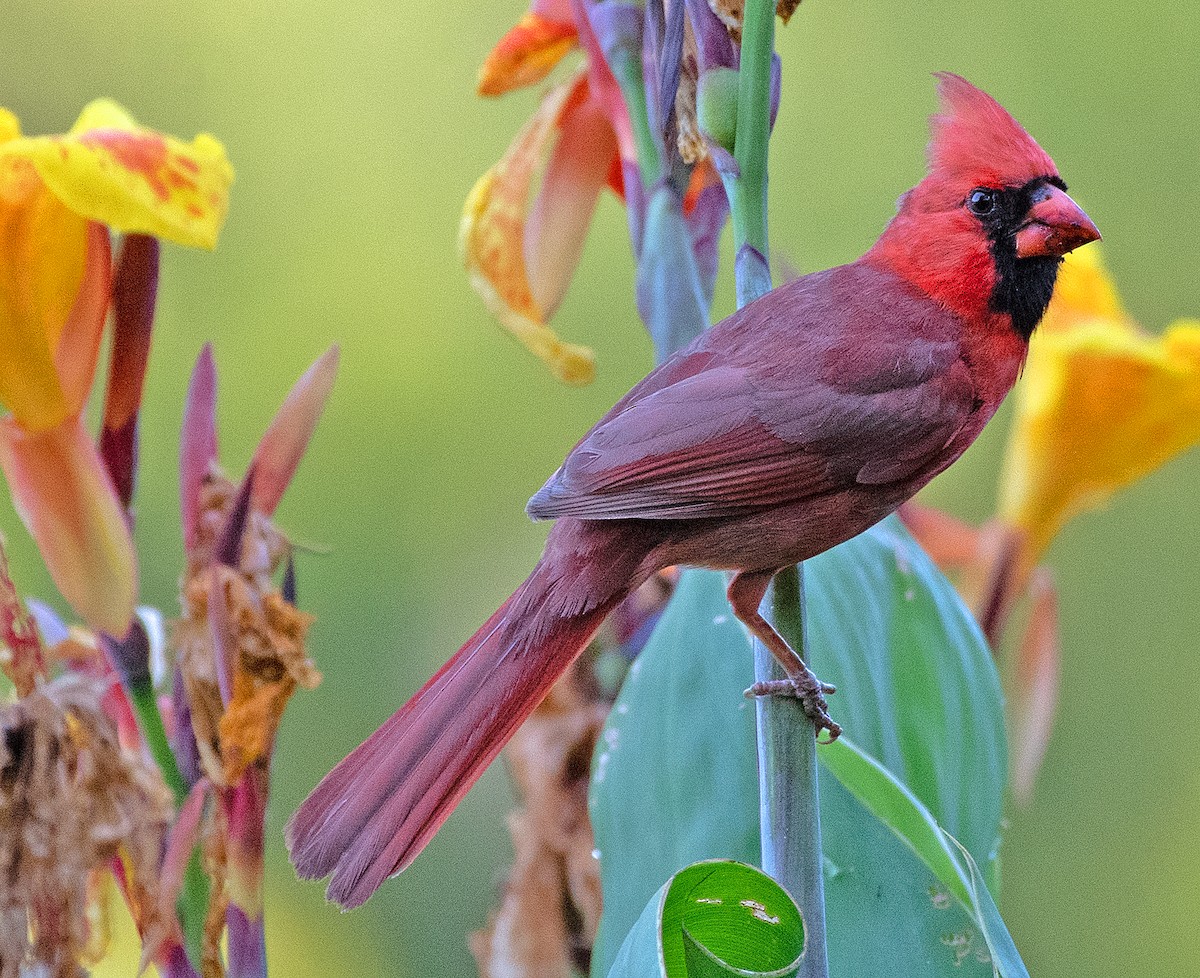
(1102,404)
(59,195)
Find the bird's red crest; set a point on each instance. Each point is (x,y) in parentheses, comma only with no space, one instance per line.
(975,138)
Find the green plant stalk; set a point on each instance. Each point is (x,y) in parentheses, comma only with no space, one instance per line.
(192,905)
(748,189)
(789,811)
(627,69)
(789,803)
(145,708)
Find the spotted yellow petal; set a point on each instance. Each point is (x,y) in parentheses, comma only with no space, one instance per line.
(110,169)
(526,54)
(492,242)
(1100,406)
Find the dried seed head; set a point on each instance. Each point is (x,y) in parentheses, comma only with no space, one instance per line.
(22,658)
(71,801)
(259,640)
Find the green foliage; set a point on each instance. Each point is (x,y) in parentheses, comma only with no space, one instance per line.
(714,919)
(894,805)
(676,773)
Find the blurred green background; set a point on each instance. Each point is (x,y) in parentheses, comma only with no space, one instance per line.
(356,133)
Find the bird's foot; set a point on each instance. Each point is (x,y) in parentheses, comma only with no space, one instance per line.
(811,693)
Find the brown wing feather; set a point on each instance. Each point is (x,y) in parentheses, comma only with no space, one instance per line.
(778,406)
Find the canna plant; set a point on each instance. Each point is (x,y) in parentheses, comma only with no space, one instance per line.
(705,837)
(116,766)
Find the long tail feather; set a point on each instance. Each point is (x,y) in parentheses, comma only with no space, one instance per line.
(374,812)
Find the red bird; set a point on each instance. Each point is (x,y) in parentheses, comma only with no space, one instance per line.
(791,426)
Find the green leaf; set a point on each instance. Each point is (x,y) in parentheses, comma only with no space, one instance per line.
(670,784)
(711,920)
(897,808)
(676,779)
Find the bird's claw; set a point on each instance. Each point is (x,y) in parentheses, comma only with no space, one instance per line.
(811,693)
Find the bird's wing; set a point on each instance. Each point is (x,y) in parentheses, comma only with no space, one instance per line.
(777,415)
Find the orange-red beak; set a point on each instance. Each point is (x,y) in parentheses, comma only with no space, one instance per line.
(1055,225)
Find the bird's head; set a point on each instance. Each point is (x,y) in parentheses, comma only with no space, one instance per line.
(986,230)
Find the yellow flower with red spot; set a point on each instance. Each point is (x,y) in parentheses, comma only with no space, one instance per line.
(1101,405)
(59,196)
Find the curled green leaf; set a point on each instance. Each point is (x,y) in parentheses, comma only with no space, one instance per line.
(713,919)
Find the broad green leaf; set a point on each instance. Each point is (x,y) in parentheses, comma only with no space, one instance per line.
(676,777)
(711,920)
(670,786)
(897,808)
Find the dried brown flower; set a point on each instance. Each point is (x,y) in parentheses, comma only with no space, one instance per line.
(71,802)
(22,658)
(550,910)
(690,140)
(730,13)
(262,636)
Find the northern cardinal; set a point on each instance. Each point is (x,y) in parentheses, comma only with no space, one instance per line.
(791,426)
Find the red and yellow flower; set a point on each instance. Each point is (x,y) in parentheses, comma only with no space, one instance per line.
(59,198)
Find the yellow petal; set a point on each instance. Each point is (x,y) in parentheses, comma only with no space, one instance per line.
(492,243)
(1099,407)
(10,128)
(1084,292)
(526,54)
(109,169)
(67,502)
(43,251)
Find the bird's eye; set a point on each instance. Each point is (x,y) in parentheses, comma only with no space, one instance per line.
(982,202)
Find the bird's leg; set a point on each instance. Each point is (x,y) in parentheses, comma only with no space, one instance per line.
(745,594)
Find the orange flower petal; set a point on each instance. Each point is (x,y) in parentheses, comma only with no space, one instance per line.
(79,344)
(492,242)
(1034,698)
(526,54)
(65,498)
(562,213)
(43,252)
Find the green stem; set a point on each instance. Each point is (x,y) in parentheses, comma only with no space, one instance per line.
(627,69)
(789,803)
(753,126)
(192,905)
(145,708)
(789,809)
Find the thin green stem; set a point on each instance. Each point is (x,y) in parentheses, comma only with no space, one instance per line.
(145,708)
(192,905)
(627,68)
(749,202)
(789,809)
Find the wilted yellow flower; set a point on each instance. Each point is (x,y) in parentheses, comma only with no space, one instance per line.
(520,259)
(1101,405)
